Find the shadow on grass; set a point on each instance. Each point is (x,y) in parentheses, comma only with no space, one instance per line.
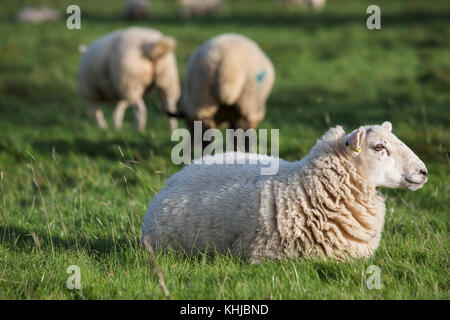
(124,150)
(19,239)
(105,148)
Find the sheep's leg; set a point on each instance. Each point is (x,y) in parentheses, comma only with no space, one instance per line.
(235,125)
(173,123)
(99,117)
(244,124)
(119,113)
(140,112)
(206,114)
(169,104)
(207,124)
(172,108)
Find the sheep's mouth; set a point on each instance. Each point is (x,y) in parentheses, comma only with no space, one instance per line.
(412,182)
(414,185)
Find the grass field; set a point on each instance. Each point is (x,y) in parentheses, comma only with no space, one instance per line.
(71,194)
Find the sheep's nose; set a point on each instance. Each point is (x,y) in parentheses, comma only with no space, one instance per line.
(424,172)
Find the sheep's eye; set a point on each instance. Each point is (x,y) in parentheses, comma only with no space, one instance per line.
(379,147)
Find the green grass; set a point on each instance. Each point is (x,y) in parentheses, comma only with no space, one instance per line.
(71,194)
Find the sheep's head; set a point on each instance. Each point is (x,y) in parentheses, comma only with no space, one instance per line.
(384,159)
(166,79)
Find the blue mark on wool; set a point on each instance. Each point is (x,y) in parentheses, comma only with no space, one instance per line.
(260,76)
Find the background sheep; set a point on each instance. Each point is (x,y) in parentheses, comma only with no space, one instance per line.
(191,8)
(325,205)
(314,4)
(137,9)
(38,15)
(228,79)
(122,66)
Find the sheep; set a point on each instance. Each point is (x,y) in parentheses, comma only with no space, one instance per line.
(227,79)
(137,9)
(317,5)
(123,66)
(37,15)
(191,8)
(326,205)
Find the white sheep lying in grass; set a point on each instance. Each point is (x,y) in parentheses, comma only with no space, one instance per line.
(325,205)
(124,65)
(228,79)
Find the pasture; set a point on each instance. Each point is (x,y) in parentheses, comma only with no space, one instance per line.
(72,194)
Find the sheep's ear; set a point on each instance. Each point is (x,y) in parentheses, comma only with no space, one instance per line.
(334,133)
(356,139)
(387,125)
(160,48)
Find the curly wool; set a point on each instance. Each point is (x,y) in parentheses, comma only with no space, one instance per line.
(317,207)
(322,208)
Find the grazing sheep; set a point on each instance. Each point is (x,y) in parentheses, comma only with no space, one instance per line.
(314,4)
(190,8)
(228,79)
(326,205)
(37,15)
(124,65)
(137,9)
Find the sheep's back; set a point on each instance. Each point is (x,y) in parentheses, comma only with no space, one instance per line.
(219,71)
(205,206)
(114,66)
(93,79)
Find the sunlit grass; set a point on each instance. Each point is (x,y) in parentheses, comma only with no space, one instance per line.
(71,194)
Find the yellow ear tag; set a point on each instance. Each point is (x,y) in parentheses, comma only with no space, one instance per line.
(354,149)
